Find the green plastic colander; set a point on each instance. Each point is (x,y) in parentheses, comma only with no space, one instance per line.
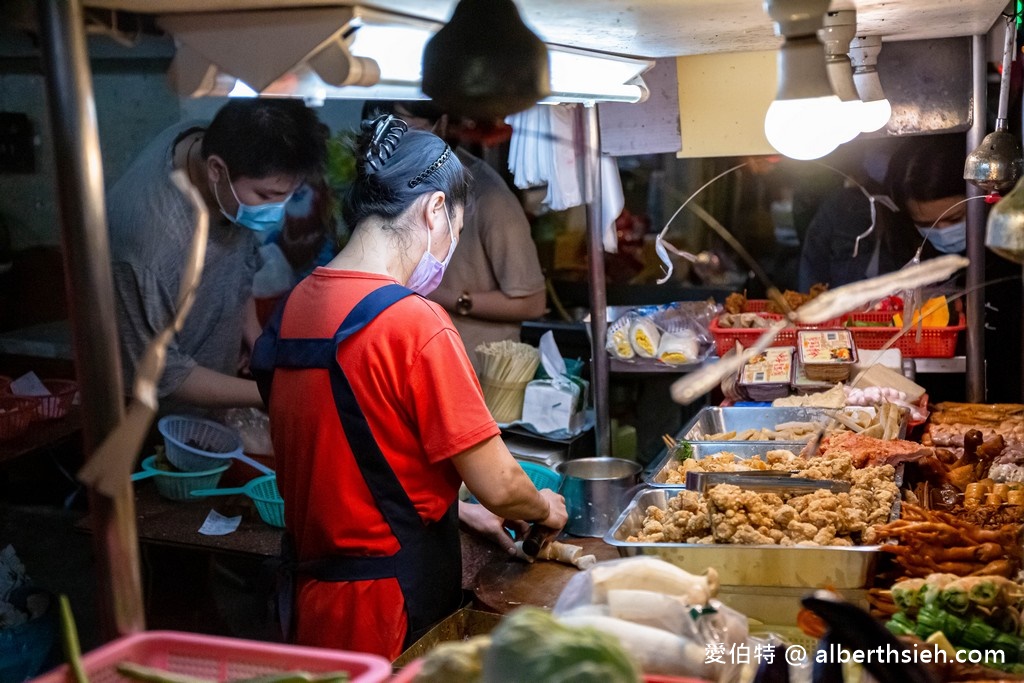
(263,492)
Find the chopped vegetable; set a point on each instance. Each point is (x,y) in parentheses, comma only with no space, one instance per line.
(900,624)
(531,645)
(72,650)
(684,451)
(461,660)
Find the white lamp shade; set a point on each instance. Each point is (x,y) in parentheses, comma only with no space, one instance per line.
(802,128)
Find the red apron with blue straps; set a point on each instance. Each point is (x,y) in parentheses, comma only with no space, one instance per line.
(428,565)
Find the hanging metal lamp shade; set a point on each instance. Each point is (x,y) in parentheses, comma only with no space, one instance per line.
(995,166)
(486,63)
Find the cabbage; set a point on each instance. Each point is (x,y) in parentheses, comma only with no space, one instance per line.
(531,645)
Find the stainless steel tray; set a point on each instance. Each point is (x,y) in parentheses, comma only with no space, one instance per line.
(744,450)
(775,482)
(746,565)
(714,420)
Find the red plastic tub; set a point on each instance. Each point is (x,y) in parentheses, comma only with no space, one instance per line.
(936,342)
(15,416)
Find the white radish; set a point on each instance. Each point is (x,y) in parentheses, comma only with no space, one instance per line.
(648,608)
(654,650)
(652,574)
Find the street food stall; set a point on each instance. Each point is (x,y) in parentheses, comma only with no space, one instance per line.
(825,502)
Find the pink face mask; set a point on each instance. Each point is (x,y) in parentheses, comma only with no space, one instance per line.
(428,272)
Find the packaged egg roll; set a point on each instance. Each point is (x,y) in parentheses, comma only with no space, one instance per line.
(645,337)
(677,348)
(617,339)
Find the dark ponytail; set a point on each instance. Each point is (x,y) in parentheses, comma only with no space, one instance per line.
(395,166)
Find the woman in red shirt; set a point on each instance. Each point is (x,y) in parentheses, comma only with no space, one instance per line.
(376,414)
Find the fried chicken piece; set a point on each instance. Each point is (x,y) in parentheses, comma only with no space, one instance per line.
(735,302)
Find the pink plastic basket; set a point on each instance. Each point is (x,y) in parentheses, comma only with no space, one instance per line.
(219,659)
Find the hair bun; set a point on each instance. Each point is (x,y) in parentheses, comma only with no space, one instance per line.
(385,132)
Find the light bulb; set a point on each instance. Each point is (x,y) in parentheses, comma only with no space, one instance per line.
(802,128)
(875,115)
(846,121)
(864,52)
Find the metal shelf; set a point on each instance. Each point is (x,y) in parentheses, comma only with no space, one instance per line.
(954,365)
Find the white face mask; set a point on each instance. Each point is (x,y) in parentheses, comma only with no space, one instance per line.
(428,272)
(948,240)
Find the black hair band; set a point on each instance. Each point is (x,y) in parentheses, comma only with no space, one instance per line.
(432,168)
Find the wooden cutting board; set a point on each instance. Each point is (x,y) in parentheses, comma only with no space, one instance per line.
(505,583)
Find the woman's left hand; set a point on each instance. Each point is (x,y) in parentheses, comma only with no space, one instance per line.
(483,522)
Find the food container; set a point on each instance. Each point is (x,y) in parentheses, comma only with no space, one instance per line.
(596,490)
(218,658)
(15,416)
(776,604)
(746,565)
(934,342)
(768,375)
(827,355)
(179,485)
(712,421)
(194,444)
(658,475)
(54,406)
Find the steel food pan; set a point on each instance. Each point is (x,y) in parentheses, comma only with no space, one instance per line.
(746,565)
(744,450)
(715,420)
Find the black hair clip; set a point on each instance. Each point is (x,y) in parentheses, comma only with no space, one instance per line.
(433,167)
(387,133)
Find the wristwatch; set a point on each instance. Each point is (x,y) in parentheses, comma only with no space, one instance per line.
(464,304)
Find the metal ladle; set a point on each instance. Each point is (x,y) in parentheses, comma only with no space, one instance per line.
(996,165)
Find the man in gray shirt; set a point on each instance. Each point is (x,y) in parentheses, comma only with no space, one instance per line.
(245,164)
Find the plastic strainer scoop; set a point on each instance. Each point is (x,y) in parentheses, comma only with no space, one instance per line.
(263,492)
(194,444)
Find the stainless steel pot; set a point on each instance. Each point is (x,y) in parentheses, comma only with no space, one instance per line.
(596,491)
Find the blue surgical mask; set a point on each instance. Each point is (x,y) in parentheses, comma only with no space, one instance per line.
(948,240)
(256,217)
(427,274)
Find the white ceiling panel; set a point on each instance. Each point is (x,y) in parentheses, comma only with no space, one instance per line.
(656,28)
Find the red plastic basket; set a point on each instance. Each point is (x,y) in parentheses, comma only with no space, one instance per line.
(726,337)
(219,659)
(936,342)
(15,416)
(57,404)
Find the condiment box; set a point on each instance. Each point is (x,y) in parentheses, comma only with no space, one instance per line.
(827,355)
(767,375)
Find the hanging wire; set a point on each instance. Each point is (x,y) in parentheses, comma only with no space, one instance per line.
(659,244)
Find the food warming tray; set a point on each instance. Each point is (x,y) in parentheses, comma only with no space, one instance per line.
(714,420)
(744,450)
(747,565)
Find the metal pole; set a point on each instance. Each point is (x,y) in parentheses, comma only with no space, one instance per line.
(598,299)
(89,284)
(976,212)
